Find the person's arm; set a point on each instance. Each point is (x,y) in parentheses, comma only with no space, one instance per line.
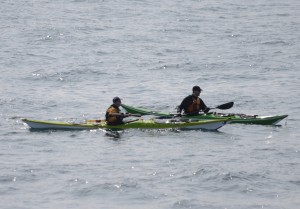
(204,108)
(184,104)
(120,114)
(179,108)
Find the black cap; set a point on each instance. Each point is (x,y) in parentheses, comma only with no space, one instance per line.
(115,99)
(197,88)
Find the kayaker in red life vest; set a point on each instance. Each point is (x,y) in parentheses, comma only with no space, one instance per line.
(192,104)
(113,114)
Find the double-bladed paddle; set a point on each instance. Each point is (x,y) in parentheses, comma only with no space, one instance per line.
(225,106)
(125,115)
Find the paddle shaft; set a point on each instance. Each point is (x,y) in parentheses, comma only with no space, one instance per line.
(103,120)
(221,107)
(225,106)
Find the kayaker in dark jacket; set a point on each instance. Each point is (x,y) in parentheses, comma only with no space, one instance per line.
(113,114)
(192,104)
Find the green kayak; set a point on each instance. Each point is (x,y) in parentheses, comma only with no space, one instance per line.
(234,118)
(137,124)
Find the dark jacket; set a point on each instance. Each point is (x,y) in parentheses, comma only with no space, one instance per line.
(190,100)
(116,119)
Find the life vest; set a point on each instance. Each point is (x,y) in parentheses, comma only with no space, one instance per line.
(194,106)
(113,119)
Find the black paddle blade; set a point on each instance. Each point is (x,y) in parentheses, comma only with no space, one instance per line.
(225,106)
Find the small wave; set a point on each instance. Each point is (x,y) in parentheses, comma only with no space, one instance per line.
(6,179)
(86,189)
(8,190)
(296,182)
(172,66)
(226,177)
(275,43)
(283,15)
(66,76)
(186,203)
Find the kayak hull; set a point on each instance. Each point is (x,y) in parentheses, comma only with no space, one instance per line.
(234,118)
(140,124)
(260,120)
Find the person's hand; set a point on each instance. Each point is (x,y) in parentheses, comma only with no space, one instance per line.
(126,115)
(207,110)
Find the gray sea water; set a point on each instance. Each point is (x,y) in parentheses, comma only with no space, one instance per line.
(66,60)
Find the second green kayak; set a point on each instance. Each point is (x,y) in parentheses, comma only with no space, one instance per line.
(234,118)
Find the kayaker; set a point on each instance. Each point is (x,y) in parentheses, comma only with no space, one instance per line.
(113,114)
(192,104)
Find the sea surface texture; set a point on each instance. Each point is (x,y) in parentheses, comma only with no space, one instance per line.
(66,59)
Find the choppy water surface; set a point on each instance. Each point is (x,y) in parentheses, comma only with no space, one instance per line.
(66,60)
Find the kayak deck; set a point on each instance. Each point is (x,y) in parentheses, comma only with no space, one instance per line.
(242,118)
(233,117)
(139,124)
(256,119)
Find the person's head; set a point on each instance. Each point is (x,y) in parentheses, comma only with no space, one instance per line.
(196,91)
(117,101)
